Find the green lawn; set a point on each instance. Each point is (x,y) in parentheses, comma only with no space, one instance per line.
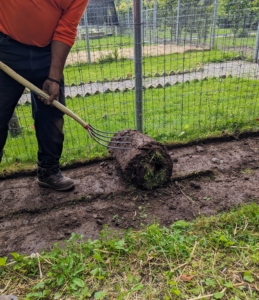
(179,113)
(151,65)
(105,43)
(229,42)
(215,257)
(127,41)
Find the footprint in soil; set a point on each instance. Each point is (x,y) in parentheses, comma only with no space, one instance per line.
(66,224)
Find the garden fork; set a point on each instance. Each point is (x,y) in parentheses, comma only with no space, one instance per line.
(103,138)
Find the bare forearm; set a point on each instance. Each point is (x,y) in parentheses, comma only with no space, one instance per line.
(59,53)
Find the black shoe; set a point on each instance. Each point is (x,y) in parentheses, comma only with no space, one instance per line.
(54,179)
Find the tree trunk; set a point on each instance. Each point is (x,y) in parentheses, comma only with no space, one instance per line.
(147,164)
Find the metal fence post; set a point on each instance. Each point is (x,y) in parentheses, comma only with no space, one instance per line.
(177,22)
(255,58)
(154,21)
(147,35)
(214,23)
(87,39)
(141,21)
(138,63)
(128,16)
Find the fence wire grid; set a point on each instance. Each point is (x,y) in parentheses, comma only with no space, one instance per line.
(199,75)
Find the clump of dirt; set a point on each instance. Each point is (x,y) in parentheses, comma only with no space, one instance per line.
(143,161)
(207,178)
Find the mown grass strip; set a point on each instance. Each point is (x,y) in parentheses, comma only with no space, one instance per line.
(83,72)
(215,257)
(224,38)
(104,43)
(229,42)
(179,113)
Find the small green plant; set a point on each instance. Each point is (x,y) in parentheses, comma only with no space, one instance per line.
(110,57)
(247,171)
(106,58)
(116,54)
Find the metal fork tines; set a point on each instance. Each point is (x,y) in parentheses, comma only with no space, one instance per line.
(107,139)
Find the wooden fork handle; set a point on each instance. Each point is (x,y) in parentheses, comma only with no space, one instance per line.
(40,93)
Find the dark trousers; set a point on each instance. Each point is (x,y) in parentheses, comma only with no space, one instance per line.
(32,63)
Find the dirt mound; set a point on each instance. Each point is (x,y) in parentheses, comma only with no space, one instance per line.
(207,178)
(156,50)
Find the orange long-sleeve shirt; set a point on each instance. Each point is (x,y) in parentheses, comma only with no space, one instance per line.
(38,22)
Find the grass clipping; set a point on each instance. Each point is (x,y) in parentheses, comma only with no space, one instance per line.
(146,164)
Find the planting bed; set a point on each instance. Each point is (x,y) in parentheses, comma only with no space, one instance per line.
(160,49)
(208,178)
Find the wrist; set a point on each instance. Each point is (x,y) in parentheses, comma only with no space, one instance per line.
(53,80)
(55,72)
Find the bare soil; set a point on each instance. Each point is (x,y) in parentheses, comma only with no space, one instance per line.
(208,178)
(156,50)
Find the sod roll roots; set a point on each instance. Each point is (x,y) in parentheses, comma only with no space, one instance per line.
(147,164)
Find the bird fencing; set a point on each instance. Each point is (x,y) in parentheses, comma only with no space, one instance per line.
(175,70)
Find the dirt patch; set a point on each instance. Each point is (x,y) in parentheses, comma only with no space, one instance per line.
(207,178)
(156,50)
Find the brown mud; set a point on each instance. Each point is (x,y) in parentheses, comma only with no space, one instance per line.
(207,178)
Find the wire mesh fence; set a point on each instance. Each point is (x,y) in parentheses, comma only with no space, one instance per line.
(199,74)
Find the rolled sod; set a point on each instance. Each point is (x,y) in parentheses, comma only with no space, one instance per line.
(147,164)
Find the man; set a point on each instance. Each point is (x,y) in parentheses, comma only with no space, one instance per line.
(35,39)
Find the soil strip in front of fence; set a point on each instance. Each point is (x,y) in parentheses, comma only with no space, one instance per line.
(207,179)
